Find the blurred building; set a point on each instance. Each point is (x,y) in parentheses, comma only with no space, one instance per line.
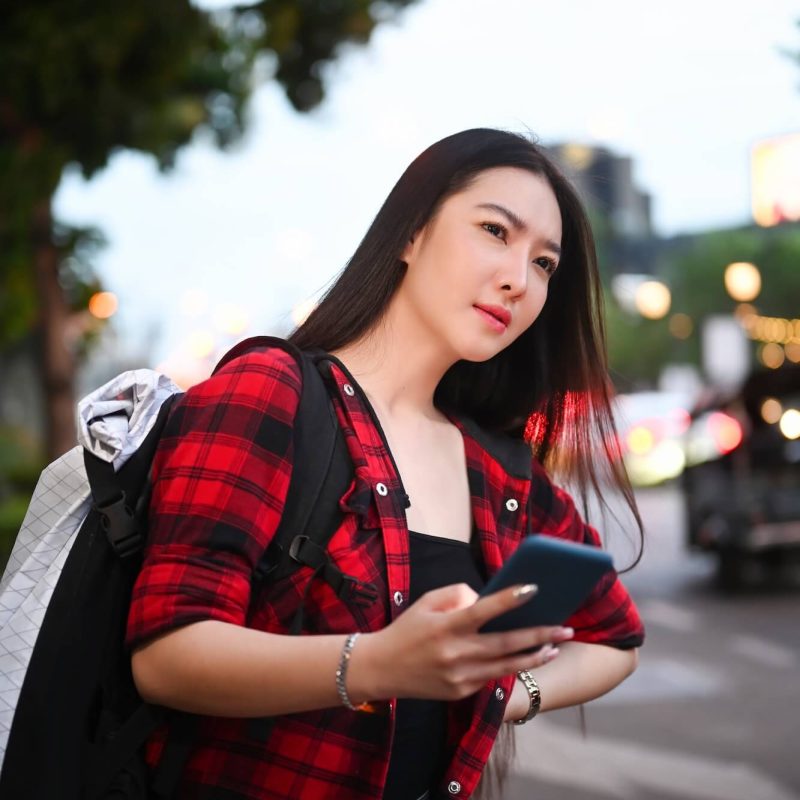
(606,184)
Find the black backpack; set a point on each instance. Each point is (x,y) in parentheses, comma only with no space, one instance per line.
(79,724)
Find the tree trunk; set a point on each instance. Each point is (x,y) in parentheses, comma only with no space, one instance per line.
(57,363)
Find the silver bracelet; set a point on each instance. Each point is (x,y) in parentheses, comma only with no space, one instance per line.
(533,693)
(341,671)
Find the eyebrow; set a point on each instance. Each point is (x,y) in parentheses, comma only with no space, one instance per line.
(518,223)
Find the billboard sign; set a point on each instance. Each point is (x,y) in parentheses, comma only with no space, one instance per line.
(775,180)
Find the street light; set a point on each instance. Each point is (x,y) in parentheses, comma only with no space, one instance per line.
(742,281)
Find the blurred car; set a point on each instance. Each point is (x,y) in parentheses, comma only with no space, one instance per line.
(742,478)
(651,426)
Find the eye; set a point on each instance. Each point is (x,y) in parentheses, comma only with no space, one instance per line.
(495,229)
(549,265)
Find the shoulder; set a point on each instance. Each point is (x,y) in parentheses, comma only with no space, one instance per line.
(552,509)
(270,369)
(242,396)
(546,499)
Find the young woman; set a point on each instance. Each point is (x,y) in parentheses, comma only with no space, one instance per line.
(465,350)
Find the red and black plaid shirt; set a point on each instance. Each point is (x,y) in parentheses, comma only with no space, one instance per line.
(221,476)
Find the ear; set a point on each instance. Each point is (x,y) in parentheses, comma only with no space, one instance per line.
(409,251)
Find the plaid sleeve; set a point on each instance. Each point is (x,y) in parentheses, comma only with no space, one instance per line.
(608,616)
(220,478)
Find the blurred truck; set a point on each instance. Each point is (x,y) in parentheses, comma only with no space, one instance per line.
(742,478)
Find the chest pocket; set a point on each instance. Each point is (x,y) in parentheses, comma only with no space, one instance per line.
(512,519)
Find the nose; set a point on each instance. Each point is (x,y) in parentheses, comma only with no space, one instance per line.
(514,274)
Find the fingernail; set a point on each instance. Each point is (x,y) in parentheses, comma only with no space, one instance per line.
(551,654)
(525,592)
(568,632)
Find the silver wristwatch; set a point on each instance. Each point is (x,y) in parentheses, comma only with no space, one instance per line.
(533,693)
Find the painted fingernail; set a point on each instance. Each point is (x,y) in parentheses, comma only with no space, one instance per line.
(525,592)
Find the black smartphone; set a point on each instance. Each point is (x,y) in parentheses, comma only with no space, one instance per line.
(564,571)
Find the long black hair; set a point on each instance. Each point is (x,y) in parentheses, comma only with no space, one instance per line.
(551,384)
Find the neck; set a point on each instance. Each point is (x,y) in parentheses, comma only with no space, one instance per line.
(399,365)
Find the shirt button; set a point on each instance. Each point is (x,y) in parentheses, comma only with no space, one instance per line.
(398,598)
(499,694)
(381,489)
(454,787)
(512,504)
(348,390)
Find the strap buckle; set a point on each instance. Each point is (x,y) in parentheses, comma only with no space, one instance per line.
(296,546)
(351,589)
(119,524)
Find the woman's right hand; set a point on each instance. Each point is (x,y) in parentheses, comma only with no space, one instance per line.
(433,650)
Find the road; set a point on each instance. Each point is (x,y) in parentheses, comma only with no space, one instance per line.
(712,713)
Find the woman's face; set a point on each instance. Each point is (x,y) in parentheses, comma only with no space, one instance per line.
(478,271)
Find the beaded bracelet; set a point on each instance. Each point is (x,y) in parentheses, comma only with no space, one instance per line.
(341,671)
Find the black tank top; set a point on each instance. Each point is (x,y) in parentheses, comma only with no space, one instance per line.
(418,751)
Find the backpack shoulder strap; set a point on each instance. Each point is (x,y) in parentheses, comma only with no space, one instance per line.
(321,469)
(321,472)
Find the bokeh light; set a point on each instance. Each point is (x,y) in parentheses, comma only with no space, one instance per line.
(726,431)
(301,311)
(745,311)
(640,440)
(790,424)
(681,325)
(653,299)
(201,344)
(771,410)
(792,351)
(772,355)
(103,305)
(742,281)
(231,319)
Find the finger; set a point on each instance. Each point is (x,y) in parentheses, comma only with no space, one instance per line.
(547,654)
(544,655)
(491,670)
(497,645)
(492,605)
(448,598)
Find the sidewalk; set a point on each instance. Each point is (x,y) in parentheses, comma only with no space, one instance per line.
(554,762)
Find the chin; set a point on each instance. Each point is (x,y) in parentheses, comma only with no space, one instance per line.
(478,352)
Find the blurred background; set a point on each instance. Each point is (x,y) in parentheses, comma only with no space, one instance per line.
(177,176)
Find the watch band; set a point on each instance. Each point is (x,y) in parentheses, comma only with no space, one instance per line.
(533,693)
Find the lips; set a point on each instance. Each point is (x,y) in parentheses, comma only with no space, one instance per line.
(502,315)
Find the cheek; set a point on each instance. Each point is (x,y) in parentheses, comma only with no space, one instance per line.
(532,306)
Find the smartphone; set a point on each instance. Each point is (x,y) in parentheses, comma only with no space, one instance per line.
(564,571)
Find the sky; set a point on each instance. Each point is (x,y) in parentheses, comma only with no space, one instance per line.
(229,243)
